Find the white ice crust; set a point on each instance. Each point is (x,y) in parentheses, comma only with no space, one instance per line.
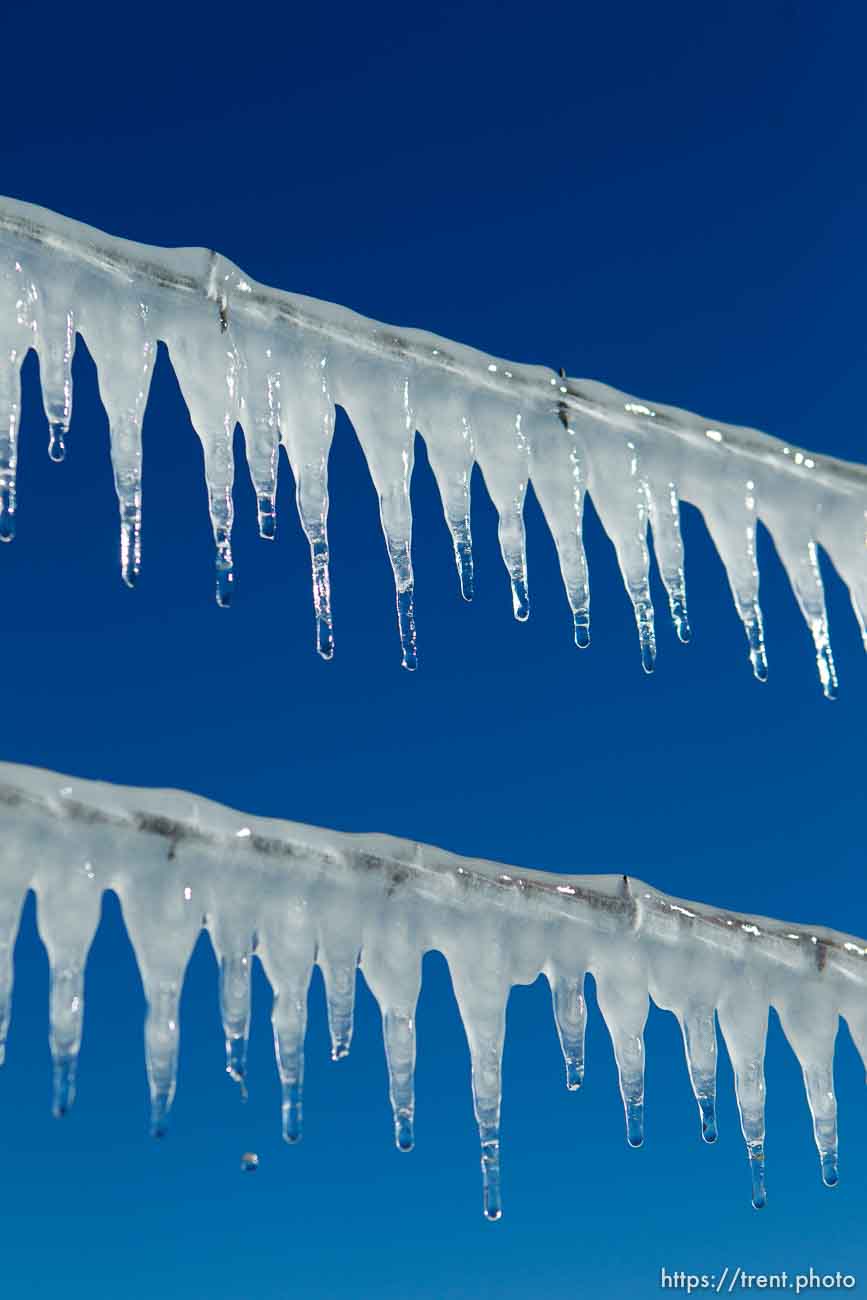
(294,896)
(278,363)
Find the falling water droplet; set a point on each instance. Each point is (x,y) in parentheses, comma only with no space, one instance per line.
(56,443)
(249,1162)
(757,1170)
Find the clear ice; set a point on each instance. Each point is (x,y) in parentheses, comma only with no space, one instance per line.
(278,364)
(293,896)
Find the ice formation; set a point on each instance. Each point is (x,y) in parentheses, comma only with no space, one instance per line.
(294,895)
(277,363)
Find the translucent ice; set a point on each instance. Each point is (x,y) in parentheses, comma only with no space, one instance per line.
(277,363)
(294,896)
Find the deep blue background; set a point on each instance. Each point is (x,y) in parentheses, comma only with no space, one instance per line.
(664,197)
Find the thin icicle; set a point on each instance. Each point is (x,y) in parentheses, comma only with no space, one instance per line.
(162,1043)
(664,508)
(339,974)
(10,415)
(56,345)
(558,471)
(392,971)
(287,955)
(733,530)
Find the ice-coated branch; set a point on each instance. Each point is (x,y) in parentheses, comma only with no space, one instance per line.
(278,363)
(295,896)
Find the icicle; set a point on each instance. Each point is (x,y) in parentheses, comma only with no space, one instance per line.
(382,415)
(56,345)
(504,458)
(260,404)
(482,996)
(801,562)
(338,971)
(208,372)
(235,1013)
(10,414)
(67,915)
(699,1041)
(392,969)
(624,1006)
(287,955)
(570,1017)
(162,1044)
(305,413)
(558,471)
(733,528)
(8,932)
(124,384)
(810,1024)
(668,545)
(620,495)
(442,418)
(744,1024)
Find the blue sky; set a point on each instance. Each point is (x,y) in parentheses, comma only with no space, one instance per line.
(668,199)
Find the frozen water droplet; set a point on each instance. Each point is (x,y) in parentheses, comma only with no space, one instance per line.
(582,628)
(707,1108)
(464,563)
(491,1195)
(56,443)
(520,599)
(249,1162)
(635,1123)
(646,632)
(756,1152)
(404,1135)
(7,512)
(319,558)
(64,1071)
(224,569)
(756,642)
(830,1172)
(292,1111)
(680,617)
(406,626)
(266,506)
